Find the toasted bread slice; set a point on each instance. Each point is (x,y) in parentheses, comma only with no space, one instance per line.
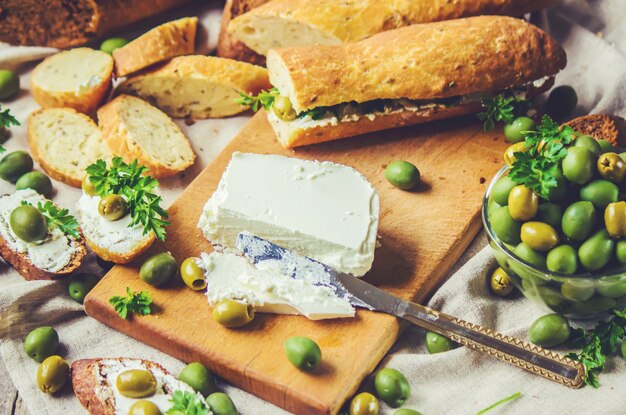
(198,86)
(601,126)
(94,385)
(134,129)
(112,241)
(55,257)
(77,78)
(164,42)
(64,142)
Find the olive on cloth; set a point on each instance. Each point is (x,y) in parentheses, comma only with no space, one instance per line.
(436,343)
(549,330)
(41,343)
(221,404)
(364,404)
(392,387)
(200,378)
(14,165)
(37,181)
(52,374)
(500,283)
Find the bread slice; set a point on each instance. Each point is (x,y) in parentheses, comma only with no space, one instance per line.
(227,45)
(77,78)
(601,126)
(164,42)
(112,241)
(134,129)
(57,256)
(93,381)
(64,142)
(287,23)
(198,86)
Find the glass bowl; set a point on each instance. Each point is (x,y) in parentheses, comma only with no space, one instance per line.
(583,295)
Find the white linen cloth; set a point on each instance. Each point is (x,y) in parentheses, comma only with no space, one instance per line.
(460,381)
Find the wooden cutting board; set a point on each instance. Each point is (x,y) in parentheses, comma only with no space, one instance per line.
(423,233)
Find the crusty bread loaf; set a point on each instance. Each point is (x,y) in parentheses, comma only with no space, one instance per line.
(21,261)
(134,129)
(287,23)
(601,126)
(64,142)
(433,60)
(198,86)
(68,23)
(164,42)
(227,45)
(78,78)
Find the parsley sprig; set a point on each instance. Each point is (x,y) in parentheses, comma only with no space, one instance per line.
(187,403)
(597,343)
(501,108)
(6,120)
(264,99)
(130,181)
(133,302)
(538,166)
(58,218)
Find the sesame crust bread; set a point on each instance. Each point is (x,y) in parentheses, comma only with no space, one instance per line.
(433,60)
(288,23)
(198,86)
(601,126)
(227,45)
(164,42)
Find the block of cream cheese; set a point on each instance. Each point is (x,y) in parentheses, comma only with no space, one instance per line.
(322,210)
(233,277)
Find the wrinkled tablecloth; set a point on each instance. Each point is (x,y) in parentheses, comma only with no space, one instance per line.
(460,381)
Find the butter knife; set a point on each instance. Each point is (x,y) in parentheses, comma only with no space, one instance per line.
(534,359)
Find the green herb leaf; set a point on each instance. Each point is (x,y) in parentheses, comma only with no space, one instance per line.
(264,99)
(187,403)
(130,181)
(501,108)
(133,302)
(6,120)
(315,113)
(500,402)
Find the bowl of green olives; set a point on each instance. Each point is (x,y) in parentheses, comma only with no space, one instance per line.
(565,248)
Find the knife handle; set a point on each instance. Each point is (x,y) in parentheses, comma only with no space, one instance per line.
(527,356)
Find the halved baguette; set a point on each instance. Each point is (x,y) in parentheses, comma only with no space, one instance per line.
(601,126)
(77,78)
(93,381)
(198,86)
(64,142)
(286,23)
(57,256)
(134,129)
(227,45)
(164,42)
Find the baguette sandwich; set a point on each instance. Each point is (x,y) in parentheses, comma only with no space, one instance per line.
(406,76)
(287,23)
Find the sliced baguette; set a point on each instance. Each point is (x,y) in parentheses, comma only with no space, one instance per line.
(198,86)
(77,78)
(601,126)
(227,45)
(67,253)
(134,129)
(164,42)
(64,142)
(93,383)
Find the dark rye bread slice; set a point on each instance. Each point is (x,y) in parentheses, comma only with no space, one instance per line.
(601,126)
(227,45)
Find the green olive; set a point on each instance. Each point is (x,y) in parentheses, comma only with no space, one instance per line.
(589,143)
(504,226)
(578,220)
(500,283)
(561,101)
(596,251)
(402,174)
(28,223)
(550,213)
(501,190)
(80,286)
(577,290)
(41,343)
(136,383)
(509,153)
(230,313)
(563,259)
(112,207)
(513,131)
(303,353)
(9,84)
(620,251)
(109,45)
(158,269)
(392,387)
(549,330)
(144,407)
(611,167)
(593,305)
(561,189)
(192,274)
(530,255)
(14,165)
(600,193)
(283,109)
(623,349)
(221,404)
(406,411)
(578,165)
(364,404)
(37,181)
(606,146)
(52,374)
(87,186)
(539,236)
(612,287)
(436,343)
(198,377)
(523,203)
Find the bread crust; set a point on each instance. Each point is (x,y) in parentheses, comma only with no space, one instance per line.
(86,102)
(602,126)
(164,42)
(227,45)
(121,258)
(433,60)
(240,76)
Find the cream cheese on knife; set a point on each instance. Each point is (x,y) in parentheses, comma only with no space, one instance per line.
(323,210)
